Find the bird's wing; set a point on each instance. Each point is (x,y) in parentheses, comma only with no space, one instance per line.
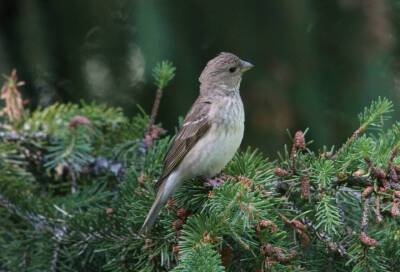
(195,125)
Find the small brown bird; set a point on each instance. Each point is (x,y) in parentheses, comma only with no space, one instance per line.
(211,132)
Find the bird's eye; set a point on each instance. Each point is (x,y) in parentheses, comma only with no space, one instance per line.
(232,69)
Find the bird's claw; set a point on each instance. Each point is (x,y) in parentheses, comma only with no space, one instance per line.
(213,182)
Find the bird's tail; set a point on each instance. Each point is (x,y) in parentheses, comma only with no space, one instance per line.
(166,189)
(152,215)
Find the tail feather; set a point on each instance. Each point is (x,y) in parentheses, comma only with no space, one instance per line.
(166,189)
(152,215)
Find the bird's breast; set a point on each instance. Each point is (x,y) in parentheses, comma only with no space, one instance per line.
(228,112)
(218,146)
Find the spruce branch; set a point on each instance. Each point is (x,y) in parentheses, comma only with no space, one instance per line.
(321,235)
(74,183)
(72,151)
(372,116)
(163,73)
(377,209)
(55,257)
(364,238)
(39,222)
(328,216)
(23,137)
(5,203)
(391,167)
(353,181)
(380,175)
(322,202)
(202,258)
(375,114)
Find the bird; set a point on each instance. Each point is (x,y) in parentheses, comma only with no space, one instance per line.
(211,132)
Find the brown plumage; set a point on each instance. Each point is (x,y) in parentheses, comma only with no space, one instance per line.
(196,124)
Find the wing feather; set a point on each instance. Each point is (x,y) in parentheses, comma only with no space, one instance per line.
(195,125)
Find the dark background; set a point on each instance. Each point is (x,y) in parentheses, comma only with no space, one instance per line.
(318,63)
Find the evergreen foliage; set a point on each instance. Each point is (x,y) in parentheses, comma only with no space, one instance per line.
(76,182)
(163,73)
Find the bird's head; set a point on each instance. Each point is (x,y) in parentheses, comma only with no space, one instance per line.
(224,71)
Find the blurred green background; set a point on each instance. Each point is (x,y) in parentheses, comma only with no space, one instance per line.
(318,63)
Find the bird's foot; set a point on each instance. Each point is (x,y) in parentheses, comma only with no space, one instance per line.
(212,182)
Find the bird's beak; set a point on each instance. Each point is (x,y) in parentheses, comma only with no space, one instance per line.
(245,66)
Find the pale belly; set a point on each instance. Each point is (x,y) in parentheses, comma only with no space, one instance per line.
(210,155)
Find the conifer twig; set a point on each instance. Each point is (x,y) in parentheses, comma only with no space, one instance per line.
(74,184)
(349,141)
(322,236)
(54,259)
(364,238)
(154,110)
(163,73)
(4,202)
(39,223)
(354,181)
(372,116)
(391,168)
(377,209)
(21,137)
